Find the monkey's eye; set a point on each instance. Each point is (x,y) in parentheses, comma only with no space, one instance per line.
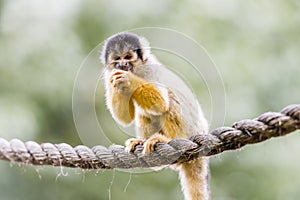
(116,57)
(127,57)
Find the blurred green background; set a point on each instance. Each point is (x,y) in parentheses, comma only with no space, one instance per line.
(255,44)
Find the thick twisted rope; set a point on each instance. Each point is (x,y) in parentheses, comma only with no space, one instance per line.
(266,126)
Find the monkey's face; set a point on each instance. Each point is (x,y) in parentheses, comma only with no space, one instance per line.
(124,51)
(124,61)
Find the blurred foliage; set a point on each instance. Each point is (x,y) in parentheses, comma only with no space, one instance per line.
(255,44)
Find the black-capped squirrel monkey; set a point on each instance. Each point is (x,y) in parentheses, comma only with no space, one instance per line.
(136,93)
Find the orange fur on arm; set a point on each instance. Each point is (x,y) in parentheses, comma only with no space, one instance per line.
(123,108)
(150,99)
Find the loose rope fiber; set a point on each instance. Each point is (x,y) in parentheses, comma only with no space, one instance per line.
(266,126)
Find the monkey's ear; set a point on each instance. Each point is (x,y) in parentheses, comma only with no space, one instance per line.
(102,55)
(145,47)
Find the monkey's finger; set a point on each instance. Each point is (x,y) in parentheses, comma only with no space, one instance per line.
(118,72)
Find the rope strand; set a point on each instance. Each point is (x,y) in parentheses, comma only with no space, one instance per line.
(266,126)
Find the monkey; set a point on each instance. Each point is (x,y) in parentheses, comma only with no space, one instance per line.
(136,92)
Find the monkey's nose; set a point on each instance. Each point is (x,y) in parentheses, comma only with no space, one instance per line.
(123,65)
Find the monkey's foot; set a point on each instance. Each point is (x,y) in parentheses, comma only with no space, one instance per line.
(132,143)
(150,143)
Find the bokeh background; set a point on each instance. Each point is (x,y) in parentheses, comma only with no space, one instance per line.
(255,45)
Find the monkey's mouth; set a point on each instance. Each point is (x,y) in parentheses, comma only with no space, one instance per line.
(126,66)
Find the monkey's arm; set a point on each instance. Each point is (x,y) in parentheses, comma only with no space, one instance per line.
(149,98)
(122,109)
(128,88)
(118,98)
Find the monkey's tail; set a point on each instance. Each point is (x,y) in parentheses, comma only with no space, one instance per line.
(194,178)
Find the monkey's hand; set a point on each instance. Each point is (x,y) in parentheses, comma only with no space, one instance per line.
(120,80)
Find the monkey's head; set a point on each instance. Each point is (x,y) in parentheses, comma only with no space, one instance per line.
(125,51)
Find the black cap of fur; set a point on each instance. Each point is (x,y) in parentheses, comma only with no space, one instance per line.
(122,43)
